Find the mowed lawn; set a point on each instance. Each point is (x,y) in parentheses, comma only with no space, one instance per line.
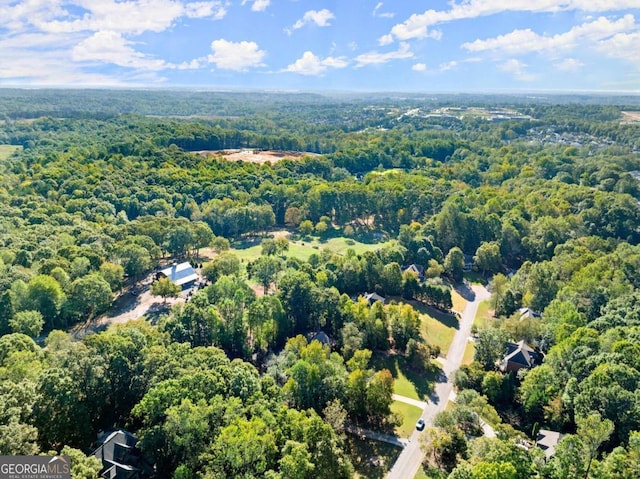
(469,353)
(437,327)
(303,249)
(410,414)
(7,150)
(459,303)
(484,315)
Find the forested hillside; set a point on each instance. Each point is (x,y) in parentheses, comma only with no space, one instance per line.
(537,198)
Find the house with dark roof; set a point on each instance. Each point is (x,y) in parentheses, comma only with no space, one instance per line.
(418,269)
(520,355)
(120,457)
(321,337)
(373,297)
(528,313)
(547,441)
(181,274)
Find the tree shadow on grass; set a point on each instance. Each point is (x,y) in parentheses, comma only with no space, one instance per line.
(246,243)
(422,381)
(371,459)
(464,290)
(447,319)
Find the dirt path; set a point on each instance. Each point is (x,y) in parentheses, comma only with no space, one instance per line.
(126,307)
(376,436)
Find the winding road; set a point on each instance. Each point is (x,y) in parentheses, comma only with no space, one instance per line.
(411,456)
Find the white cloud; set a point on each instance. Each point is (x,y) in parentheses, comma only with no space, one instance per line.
(377,13)
(526,41)
(258,5)
(214,10)
(133,16)
(419,67)
(377,58)
(419,25)
(236,56)
(310,64)
(26,63)
(385,40)
(320,17)
(517,68)
(625,46)
(569,65)
(111,47)
(448,66)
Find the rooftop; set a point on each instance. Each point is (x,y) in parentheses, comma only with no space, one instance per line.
(180,274)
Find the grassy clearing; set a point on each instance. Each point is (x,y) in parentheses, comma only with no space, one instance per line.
(483,316)
(459,303)
(410,415)
(363,451)
(304,248)
(437,327)
(469,353)
(7,150)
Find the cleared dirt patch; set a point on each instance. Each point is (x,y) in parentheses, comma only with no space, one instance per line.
(630,116)
(256,156)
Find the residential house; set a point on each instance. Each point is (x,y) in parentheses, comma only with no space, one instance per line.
(120,457)
(527,313)
(547,441)
(469,263)
(373,297)
(520,355)
(322,337)
(418,269)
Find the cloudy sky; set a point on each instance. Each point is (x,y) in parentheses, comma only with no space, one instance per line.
(399,45)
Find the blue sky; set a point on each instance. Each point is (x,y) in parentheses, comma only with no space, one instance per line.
(371,45)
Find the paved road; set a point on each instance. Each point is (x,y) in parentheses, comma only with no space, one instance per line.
(411,456)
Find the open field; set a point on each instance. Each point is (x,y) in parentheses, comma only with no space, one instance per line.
(410,415)
(630,116)
(256,156)
(303,249)
(436,326)
(7,150)
(371,459)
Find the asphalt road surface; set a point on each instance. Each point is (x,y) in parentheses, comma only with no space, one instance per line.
(411,456)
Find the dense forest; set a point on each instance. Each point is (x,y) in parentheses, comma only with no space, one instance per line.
(538,198)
